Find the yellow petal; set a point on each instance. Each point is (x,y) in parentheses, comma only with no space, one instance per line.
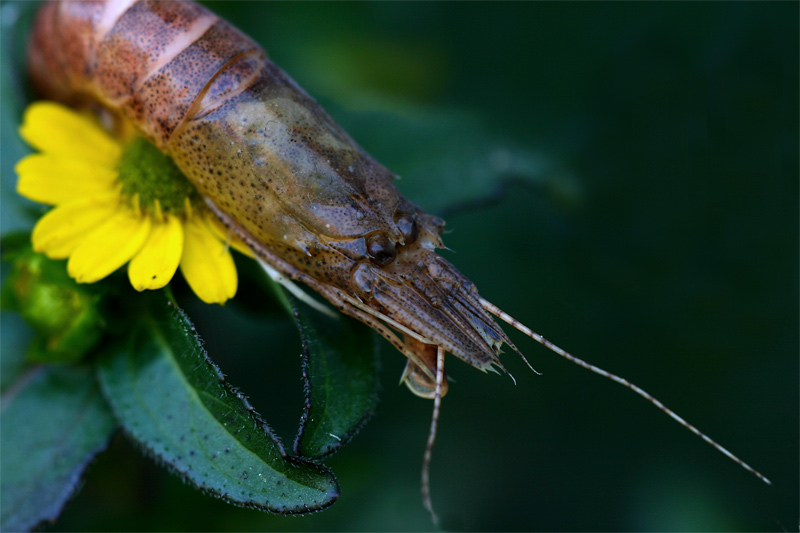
(206,263)
(53,179)
(62,229)
(227,236)
(109,246)
(58,130)
(157,261)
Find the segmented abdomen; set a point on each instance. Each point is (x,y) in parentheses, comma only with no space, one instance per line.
(157,62)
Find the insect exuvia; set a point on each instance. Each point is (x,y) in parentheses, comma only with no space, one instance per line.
(312,205)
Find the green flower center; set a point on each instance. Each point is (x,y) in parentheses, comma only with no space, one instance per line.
(150,174)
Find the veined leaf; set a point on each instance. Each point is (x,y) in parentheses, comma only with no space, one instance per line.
(340,368)
(54,421)
(176,403)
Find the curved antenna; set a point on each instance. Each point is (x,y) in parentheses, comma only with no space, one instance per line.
(624,382)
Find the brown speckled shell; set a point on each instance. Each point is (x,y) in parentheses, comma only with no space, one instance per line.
(272,162)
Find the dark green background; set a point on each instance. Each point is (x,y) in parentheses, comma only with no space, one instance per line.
(666,253)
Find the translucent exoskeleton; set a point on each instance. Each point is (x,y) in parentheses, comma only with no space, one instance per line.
(312,205)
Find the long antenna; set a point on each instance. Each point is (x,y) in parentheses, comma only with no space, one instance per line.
(624,382)
(426,459)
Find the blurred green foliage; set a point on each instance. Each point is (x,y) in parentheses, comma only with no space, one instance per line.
(667,251)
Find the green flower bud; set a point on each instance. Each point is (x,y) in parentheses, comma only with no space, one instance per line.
(64,314)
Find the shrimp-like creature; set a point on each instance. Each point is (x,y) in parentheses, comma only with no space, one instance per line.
(312,205)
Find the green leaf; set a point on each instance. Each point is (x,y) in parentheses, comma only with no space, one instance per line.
(14,342)
(176,403)
(340,368)
(253,284)
(54,421)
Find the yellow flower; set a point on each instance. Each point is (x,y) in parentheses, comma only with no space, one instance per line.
(118,204)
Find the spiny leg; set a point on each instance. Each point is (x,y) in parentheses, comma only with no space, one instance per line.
(624,382)
(426,459)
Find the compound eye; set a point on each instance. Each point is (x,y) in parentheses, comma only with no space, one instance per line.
(408,227)
(381,249)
